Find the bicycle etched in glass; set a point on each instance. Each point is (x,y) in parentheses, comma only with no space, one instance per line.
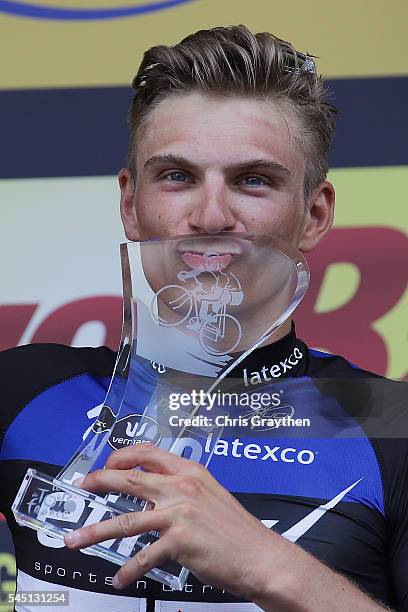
(203,309)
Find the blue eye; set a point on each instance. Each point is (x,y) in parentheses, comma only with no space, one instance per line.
(254,181)
(177,177)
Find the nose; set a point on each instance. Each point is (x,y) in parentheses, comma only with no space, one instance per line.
(211,212)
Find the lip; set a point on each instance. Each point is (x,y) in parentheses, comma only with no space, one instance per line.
(222,251)
(194,260)
(223,246)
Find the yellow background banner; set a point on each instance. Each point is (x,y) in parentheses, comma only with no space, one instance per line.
(364,38)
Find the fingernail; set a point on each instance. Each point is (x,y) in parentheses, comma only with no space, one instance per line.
(72,538)
(116,582)
(78,481)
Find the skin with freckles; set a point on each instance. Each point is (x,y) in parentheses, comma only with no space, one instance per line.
(223,165)
(198,170)
(205,166)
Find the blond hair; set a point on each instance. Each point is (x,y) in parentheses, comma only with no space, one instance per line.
(232,61)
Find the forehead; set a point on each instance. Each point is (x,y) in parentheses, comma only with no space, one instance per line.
(221,130)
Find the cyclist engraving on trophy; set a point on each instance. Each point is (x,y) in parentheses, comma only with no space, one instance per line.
(202,305)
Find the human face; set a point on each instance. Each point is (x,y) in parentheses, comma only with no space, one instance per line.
(206,166)
(210,165)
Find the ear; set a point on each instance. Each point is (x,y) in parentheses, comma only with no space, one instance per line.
(127,206)
(318,218)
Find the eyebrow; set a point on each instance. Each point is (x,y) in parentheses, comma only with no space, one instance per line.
(246,165)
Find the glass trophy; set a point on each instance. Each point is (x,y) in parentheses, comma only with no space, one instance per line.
(194,308)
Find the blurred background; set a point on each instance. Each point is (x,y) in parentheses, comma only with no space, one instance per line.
(65,72)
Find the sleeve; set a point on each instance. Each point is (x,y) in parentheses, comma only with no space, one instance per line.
(395,470)
(27,371)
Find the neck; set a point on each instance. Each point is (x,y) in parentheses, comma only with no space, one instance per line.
(282,331)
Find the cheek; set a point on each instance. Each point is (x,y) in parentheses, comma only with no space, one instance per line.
(156,217)
(282,221)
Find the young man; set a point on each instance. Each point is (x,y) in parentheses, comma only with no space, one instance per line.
(229,132)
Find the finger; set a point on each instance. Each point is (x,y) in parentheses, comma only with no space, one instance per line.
(160,461)
(151,556)
(123,526)
(135,482)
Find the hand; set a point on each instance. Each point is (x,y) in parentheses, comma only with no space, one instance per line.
(204,528)
(201,525)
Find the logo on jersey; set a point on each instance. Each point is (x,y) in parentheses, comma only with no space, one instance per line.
(158,366)
(258,452)
(104,421)
(42,10)
(268,373)
(133,429)
(304,525)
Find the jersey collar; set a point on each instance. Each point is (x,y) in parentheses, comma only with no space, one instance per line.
(268,364)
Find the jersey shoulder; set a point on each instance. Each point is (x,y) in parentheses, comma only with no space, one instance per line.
(380,405)
(380,401)
(321,364)
(27,371)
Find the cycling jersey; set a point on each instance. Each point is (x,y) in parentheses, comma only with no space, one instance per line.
(335,480)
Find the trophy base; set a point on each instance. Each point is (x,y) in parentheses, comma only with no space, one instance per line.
(47,504)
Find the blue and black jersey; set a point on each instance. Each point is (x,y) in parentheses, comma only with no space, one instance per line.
(333,477)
